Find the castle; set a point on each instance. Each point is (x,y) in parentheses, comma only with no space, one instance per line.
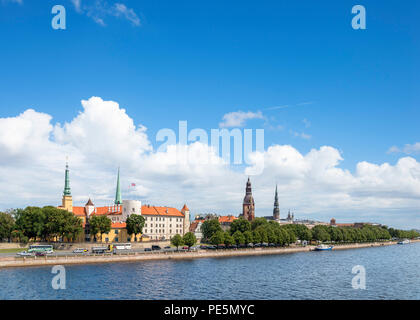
(161,223)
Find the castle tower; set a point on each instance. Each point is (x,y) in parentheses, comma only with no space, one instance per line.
(118,199)
(89,208)
(67,201)
(276,210)
(248,206)
(186,212)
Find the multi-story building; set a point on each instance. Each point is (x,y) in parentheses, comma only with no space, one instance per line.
(161,223)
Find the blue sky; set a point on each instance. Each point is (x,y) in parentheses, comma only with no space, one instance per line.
(354,90)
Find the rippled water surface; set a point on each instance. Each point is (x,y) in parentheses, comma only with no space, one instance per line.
(392,272)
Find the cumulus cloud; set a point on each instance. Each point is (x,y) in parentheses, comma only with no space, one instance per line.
(239,118)
(102,136)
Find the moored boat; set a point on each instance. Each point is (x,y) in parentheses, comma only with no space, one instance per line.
(323,247)
(405,241)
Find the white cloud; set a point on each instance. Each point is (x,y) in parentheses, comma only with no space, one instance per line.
(120,10)
(77,5)
(407,149)
(99,10)
(103,136)
(302,135)
(239,118)
(13,1)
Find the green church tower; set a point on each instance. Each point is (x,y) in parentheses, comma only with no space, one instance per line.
(118,199)
(67,191)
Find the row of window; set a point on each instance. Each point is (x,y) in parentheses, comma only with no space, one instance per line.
(163,219)
(161,231)
(162,225)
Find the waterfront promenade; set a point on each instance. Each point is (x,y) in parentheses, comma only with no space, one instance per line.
(136,256)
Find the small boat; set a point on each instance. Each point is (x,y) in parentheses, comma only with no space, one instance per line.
(405,241)
(323,247)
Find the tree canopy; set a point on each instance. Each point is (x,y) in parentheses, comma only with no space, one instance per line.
(135,224)
(210,227)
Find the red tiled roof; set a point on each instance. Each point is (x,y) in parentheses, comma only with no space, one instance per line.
(99,211)
(160,211)
(118,225)
(227,219)
(185,208)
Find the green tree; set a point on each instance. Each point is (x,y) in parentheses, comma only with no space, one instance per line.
(99,224)
(241,225)
(239,237)
(31,222)
(217,238)
(248,237)
(189,239)
(177,241)
(256,237)
(210,227)
(228,239)
(135,224)
(258,222)
(320,233)
(6,225)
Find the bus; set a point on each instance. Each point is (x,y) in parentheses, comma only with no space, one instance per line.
(121,246)
(46,248)
(100,250)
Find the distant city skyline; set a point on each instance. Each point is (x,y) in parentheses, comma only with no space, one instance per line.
(339,107)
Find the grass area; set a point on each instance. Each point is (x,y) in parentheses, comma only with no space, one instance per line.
(12,250)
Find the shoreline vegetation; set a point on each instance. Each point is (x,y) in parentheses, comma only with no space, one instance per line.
(54,225)
(6,262)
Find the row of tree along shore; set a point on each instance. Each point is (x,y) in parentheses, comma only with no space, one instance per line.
(52,224)
(262,231)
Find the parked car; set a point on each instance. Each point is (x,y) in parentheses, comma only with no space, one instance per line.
(167,247)
(271,245)
(257,245)
(154,248)
(80,250)
(232,246)
(221,246)
(250,245)
(24,254)
(264,244)
(211,247)
(203,247)
(147,249)
(242,246)
(40,254)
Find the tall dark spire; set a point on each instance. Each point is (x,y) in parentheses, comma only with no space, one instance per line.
(276,210)
(67,191)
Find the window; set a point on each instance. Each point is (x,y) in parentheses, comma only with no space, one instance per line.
(116,231)
(134,210)
(116,239)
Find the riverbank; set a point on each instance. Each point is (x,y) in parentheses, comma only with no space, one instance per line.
(136,256)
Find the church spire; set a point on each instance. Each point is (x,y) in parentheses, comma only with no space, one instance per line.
(118,192)
(67,191)
(276,210)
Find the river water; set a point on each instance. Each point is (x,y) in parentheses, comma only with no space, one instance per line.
(392,272)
